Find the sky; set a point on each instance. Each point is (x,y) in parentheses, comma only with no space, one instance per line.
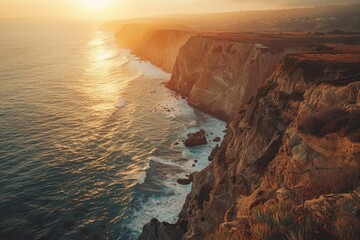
(120,9)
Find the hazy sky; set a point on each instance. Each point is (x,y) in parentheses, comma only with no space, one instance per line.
(117,9)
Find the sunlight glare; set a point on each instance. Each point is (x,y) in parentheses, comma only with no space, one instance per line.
(96,4)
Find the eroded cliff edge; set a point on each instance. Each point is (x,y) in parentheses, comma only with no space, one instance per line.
(297,142)
(216,72)
(291,157)
(218,75)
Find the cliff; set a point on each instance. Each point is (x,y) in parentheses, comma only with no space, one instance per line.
(289,165)
(297,144)
(220,72)
(157,43)
(219,75)
(290,159)
(217,72)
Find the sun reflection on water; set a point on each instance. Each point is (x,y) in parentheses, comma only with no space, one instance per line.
(101,87)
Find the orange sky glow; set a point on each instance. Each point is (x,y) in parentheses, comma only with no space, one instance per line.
(118,9)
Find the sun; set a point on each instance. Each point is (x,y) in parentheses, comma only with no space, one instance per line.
(96,4)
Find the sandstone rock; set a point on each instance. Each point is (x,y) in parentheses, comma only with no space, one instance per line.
(213,152)
(156,230)
(191,176)
(217,139)
(184,181)
(293,133)
(228,76)
(195,139)
(187,181)
(271,154)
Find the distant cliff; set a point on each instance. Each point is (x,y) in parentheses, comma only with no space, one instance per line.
(158,44)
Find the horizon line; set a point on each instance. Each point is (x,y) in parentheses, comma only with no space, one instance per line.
(171,14)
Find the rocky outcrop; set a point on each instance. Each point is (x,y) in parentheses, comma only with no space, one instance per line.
(195,139)
(297,139)
(217,139)
(156,230)
(213,152)
(183,181)
(157,43)
(186,181)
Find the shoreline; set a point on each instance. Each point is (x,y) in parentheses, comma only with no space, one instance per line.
(264,93)
(175,107)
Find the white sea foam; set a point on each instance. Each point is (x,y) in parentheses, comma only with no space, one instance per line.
(167,208)
(148,70)
(121,60)
(193,123)
(142,175)
(163,208)
(121,103)
(164,161)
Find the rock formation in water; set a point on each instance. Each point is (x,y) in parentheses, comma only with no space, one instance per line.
(195,139)
(289,164)
(156,230)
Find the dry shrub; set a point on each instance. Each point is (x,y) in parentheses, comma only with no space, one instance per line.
(347,223)
(225,235)
(282,221)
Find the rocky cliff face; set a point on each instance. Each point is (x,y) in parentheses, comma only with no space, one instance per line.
(298,139)
(291,156)
(158,44)
(217,75)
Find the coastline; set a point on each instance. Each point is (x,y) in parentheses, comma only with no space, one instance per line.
(174,108)
(100,143)
(265,108)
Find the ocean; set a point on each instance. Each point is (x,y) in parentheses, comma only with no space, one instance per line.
(88,135)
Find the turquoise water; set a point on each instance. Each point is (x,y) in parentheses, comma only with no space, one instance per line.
(86,137)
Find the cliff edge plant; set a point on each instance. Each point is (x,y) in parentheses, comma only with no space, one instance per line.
(286,220)
(347,223)
(280,221)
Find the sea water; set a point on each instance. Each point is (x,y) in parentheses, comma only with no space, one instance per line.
(90,139)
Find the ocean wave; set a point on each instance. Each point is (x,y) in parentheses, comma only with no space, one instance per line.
(165,203)
(113,158)
(121,102)
(160,168)
(164,161)
(120,58)
(148,70)
(142,176)
(193,124)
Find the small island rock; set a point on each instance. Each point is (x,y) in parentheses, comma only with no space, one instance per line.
(195,139)
(217,139)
